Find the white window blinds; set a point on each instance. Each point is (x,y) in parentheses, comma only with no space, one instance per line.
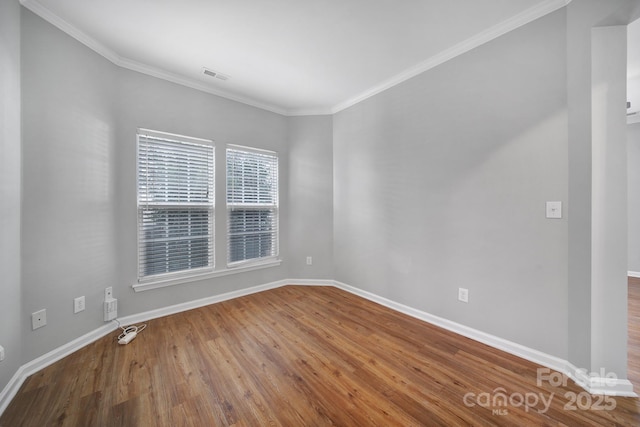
(252,205)
(175,204)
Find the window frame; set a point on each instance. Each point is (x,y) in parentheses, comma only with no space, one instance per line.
(218,267)
(183,273)
(275,206)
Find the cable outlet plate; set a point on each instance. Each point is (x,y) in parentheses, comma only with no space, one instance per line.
(38,319)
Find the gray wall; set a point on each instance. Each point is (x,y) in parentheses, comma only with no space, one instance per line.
(147,102)
(633,168)
(311,196)
(441,183)
(432,185)
(69,136)
(80,114)
(10,302)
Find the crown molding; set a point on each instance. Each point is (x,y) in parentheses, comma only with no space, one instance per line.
(194,84)
(122,62)
(319,111)
(486,36)
(46,14)
(465,46)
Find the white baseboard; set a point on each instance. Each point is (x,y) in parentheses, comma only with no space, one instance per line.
(11,389)
(190,305)
(30,368)
(599,385)
(633,274)
(591,383)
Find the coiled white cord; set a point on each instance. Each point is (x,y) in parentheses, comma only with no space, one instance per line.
(129,329)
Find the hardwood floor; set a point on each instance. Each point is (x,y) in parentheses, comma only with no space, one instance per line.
(633,345)
(302,356)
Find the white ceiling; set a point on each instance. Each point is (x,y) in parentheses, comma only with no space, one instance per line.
(293,57)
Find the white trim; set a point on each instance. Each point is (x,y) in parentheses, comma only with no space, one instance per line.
(146,286)
(190,305)
(46,14)
(11,389)
(598,385)
(30,368)
(465,46)
(311,282)
(635,274)
(237,147)
(633,118)
(173,137)
(491,340)
(319,111)
(195,84)
(479,39)
(592,384)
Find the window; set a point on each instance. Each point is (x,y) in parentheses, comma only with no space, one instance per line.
(252,205)
(175,205)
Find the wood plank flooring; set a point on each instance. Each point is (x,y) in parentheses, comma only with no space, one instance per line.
(302,356)
(633,344)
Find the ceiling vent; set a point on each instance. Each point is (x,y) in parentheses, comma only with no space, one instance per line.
(215,74)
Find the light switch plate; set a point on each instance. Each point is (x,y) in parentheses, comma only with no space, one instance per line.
(554,210)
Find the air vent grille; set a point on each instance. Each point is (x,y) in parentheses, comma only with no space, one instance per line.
(215,74)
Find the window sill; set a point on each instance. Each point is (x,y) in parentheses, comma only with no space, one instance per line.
(146,286)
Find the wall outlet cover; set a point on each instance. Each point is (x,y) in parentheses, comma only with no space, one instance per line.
(78,304)
(38,319)
(463,294)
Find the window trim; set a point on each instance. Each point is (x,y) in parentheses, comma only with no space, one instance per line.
(219,181)
(252,261)
(155,284)
(180,275)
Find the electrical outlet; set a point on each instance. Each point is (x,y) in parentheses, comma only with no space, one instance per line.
(78,304)
(38,319)
(463,294)
(309,260)
(1,353)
